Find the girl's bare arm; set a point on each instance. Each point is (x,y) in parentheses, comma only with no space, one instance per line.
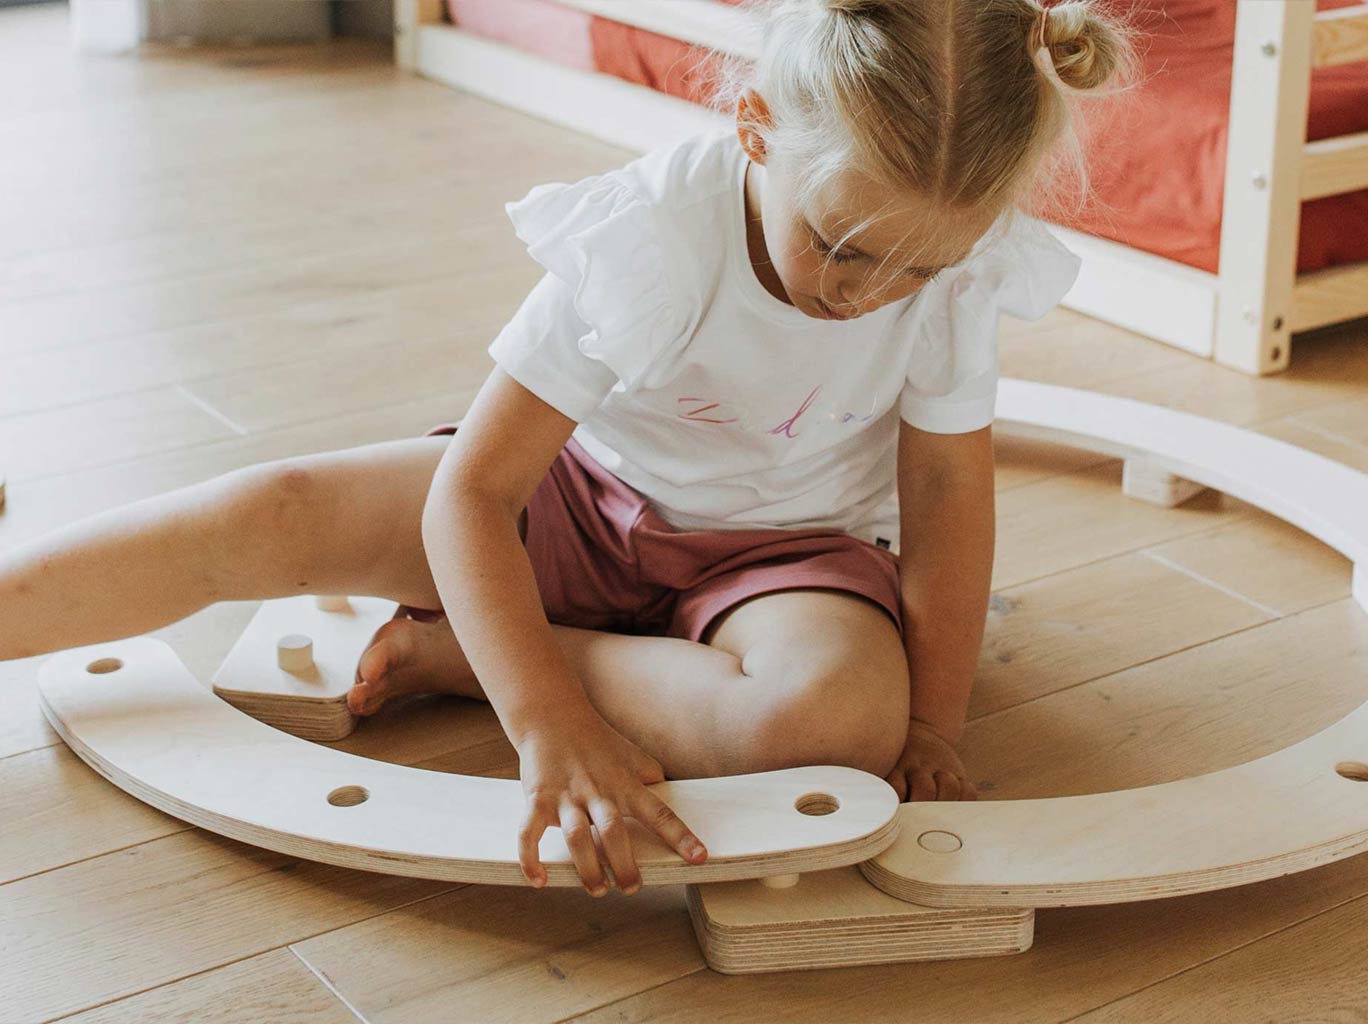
(575,767)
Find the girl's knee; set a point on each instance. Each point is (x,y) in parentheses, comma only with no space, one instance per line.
(856,717)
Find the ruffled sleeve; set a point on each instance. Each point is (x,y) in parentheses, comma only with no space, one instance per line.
(951,384)
(627,294)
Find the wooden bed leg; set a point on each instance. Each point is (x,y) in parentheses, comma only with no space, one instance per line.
(1261,215)
(1146,480)
(409,17)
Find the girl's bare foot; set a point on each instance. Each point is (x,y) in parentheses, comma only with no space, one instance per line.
(407,656)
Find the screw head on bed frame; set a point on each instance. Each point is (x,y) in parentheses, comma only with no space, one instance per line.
(1269,49)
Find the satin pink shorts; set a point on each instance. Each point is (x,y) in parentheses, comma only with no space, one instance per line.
(604,558)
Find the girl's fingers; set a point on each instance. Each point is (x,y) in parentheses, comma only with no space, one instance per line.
(574,824)
(535,820)
(617,843)
(661,819)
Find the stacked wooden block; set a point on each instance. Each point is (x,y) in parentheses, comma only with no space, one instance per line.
(295,662)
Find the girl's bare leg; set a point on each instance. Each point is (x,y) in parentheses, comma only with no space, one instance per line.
(783,641)
(350,522)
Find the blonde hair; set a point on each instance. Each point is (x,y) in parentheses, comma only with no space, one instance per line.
(950,98)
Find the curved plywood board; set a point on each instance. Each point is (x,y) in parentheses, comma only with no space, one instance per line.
(1286,812)
(1289,811)
(133,712)
(1325,498)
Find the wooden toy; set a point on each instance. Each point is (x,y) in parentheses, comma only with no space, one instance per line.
(294,653)
(133,712)
(304,689)
(809,867)
(835,918)
(1143,480)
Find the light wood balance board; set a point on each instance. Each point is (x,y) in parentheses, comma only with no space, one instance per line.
(934,880)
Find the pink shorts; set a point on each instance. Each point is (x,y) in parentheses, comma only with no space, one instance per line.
(605,559)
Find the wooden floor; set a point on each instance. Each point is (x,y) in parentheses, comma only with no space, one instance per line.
(213,258)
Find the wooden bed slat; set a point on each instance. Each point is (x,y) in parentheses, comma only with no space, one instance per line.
(1340,37)
(1329,296)
(1331,167)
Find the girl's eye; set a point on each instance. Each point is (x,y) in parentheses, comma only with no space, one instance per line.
(838,255)
(841,256)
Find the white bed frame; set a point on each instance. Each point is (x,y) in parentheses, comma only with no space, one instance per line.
(1242,317)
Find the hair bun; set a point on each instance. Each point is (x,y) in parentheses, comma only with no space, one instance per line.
(1083,48)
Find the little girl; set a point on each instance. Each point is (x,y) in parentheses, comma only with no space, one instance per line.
(662,541)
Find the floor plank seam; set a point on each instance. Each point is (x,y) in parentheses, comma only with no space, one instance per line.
(1197,531)
(622,999)
(209,410)
(323,980)
(1329,435)
(97,856)
(153,988)
(29,750)
(1228,591)
(259,435)
(1216,957)
(1159,657)
(419,276)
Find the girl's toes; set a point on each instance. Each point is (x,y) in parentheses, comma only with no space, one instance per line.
(366,698)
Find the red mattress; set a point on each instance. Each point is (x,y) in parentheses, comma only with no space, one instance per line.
(1158,171)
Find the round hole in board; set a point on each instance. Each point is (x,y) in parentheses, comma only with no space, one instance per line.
(817,803)
(348,796)
(101,666)
(1354,771)
(938,841)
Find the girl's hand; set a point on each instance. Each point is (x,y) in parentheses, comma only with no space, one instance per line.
(577,771)
(929,768)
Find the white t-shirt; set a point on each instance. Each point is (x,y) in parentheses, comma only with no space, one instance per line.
(723,405)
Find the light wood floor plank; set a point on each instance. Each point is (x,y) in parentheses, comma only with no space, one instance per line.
(1196,711)
(1082,958)
(502,954)
(132,920)
(1068,521)
(273,988)
(1069,627)
(1273,979)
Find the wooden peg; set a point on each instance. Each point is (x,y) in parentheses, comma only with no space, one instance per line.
(1146,480)
(780,881)
(294,652)
(332,602)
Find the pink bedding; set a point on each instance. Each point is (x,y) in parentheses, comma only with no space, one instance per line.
(1159,172)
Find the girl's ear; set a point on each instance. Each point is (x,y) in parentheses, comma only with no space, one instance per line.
(751,110)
